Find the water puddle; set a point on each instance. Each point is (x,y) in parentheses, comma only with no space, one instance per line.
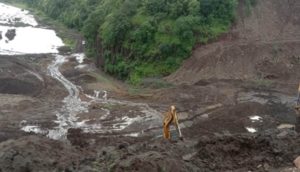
(148,117)
(29,40)
(251,130)
(79,57)
(81,66)
(19,33)
(255,118)
(33,128)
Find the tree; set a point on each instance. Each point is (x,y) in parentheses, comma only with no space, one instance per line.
(194,7)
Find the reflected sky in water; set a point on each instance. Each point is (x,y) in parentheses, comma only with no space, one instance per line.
(29,39)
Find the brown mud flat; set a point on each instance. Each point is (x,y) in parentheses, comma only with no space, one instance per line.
(213,115)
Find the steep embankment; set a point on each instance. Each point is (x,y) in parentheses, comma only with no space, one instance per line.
(262,45)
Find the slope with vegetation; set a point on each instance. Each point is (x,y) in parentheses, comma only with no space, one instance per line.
(133,39)
(262,46)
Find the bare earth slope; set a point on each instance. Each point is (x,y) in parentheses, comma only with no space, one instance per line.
(261,45)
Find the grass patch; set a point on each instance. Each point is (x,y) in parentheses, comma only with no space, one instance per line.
(262,83)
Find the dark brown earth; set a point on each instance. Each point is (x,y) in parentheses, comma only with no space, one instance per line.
(253,70)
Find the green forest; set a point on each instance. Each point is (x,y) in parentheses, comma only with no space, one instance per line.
(134,39)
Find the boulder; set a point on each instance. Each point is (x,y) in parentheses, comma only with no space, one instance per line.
(297,162)
(10,34)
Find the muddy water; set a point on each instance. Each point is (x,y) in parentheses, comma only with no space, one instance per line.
(66,117)
(72,106)
(148,117)
(41,41)
(28,38)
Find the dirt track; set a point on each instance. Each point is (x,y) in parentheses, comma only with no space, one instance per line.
(252,71)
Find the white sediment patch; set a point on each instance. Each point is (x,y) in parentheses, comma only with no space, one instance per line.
(251,130)
(132,134)
(81,66)
(79,57)
(286,126)
(255,118)
(67,116)
(34,129)
(99,95)
(124,122)
(13,15)
(150,118)
(29,40)
(96,93)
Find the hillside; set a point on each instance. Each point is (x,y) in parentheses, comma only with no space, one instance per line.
(261,46)
(133,40)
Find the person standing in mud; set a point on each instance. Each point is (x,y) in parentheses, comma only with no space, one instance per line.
(170,116)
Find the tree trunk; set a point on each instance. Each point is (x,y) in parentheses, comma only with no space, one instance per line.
(99,53)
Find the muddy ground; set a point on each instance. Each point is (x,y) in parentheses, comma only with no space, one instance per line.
(215,98)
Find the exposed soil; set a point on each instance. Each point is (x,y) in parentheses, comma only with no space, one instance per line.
(261,45)
(252,71)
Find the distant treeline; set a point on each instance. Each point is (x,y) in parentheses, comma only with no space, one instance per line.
(134,39)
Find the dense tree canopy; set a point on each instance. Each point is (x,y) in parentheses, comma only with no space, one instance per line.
(142,38)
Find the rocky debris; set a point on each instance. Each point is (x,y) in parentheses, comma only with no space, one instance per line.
(297,162)
(151,161)
(286,169)
(282,134)
(246,152)
(17,19)
(95,106)
(10,34)
(204,116)
(77,138)
(189,156)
